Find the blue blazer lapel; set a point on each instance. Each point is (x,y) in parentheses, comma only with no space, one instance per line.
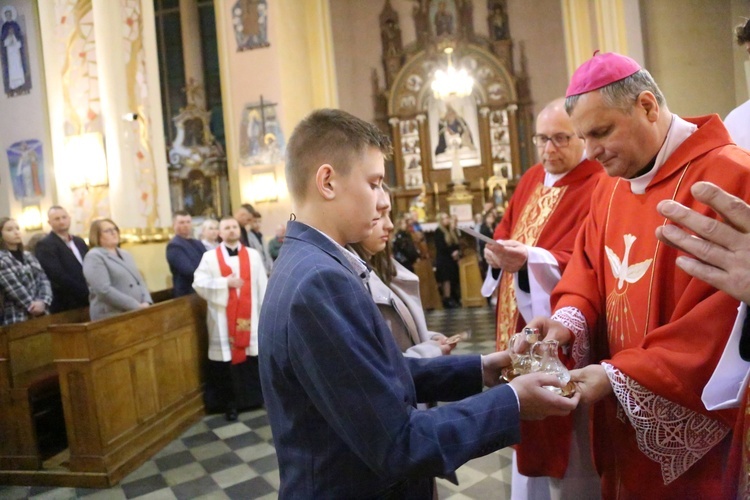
(303,232)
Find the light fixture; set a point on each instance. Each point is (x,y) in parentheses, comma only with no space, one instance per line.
(451,82)
(86,161)
(31,218)
(263,186)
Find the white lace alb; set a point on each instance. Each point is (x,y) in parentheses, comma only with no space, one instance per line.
(574,320)
(673,436)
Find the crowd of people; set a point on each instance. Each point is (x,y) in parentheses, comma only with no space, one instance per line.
(325,324)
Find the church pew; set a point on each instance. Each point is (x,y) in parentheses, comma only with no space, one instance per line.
(130,384)
(27,370)
(471,280)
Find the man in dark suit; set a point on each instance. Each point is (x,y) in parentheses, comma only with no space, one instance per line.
(341,397)
(61,256)
(184,253)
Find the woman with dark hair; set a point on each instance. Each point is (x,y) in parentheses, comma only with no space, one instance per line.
(447,254)
(115,284)
(404,249)
(25,291)
(396,292)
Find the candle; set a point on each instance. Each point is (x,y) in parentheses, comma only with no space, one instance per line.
(435,188)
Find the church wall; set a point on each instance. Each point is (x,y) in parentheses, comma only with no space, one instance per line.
(295,71)
(690,52)
(24,118)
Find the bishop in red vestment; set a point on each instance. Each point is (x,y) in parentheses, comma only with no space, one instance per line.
(654,332)
(538,233)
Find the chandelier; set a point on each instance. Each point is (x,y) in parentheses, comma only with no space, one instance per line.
(451,82)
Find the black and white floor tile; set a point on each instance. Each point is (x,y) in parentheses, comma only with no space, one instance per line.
(216,459)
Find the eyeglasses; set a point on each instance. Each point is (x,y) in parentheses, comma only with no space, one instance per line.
(109,230)
(559,140)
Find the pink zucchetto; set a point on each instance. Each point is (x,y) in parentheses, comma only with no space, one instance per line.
(600,71)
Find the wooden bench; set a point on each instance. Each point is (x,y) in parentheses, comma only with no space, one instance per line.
(129,384)
(28,386)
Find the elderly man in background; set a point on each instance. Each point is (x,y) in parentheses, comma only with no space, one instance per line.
(653,332)
(535,240)
(61,256)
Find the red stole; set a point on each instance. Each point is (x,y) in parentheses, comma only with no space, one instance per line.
(238,307)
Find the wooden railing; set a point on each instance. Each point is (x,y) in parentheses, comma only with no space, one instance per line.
(129,384)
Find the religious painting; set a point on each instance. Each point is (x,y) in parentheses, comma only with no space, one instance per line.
(198,195)
(454,132)
(250,20)
(498,19)
(411,152)
(443,17)
(261,137)
(26,169)
(15,53)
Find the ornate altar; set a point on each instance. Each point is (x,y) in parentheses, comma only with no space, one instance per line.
(197,163)
(449,144)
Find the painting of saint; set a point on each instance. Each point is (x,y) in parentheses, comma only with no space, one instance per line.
(250,19)
(454,129)
(199,200)
(443,15)
(26,169)
(15,56)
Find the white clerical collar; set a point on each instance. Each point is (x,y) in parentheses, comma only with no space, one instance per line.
(223,246)
(679,131)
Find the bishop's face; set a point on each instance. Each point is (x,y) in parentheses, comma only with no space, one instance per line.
(623,141)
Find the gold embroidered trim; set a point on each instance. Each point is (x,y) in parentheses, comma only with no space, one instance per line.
(537,211)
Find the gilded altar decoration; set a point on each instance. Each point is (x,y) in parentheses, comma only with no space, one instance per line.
(197,163)
(484,128)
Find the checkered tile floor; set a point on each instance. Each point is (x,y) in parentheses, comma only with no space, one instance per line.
(216,459)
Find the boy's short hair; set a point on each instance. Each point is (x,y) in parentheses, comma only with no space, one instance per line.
(328,136)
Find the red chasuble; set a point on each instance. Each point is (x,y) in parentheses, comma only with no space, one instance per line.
(549,218)
(662,328)
(238,307)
